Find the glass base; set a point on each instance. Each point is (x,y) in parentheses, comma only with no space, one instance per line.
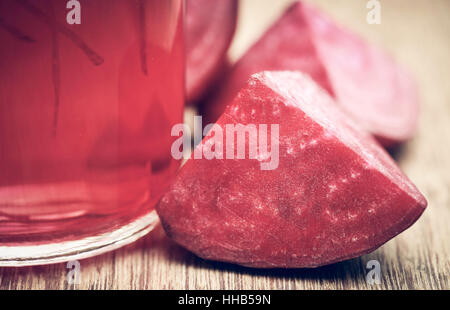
(18,256)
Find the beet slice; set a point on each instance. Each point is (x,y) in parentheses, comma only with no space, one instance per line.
(336,194)
(366,82)
(210,26)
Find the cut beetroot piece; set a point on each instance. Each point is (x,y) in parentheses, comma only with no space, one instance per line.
(335,194)
(365,81)
(210,27)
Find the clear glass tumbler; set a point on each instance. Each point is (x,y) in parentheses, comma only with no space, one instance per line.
(89,92)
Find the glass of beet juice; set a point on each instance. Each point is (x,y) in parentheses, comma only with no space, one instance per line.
(89,92)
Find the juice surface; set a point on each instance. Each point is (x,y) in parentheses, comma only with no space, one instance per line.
(85,114)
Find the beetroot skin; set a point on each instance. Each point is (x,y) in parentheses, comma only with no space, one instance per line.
(335,195)
(210,26)
(365,81)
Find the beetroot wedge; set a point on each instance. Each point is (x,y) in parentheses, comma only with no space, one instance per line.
(365,81)
(210,27)
(334,193)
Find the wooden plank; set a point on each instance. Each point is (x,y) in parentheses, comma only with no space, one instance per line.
(418,34)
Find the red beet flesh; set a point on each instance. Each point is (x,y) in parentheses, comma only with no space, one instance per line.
(335,195)
(210,27)
(365,81)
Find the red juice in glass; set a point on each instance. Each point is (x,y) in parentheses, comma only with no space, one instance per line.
(86,111)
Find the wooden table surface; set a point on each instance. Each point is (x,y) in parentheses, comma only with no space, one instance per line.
(417,32)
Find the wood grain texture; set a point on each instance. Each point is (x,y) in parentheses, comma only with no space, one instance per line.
(418,33)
